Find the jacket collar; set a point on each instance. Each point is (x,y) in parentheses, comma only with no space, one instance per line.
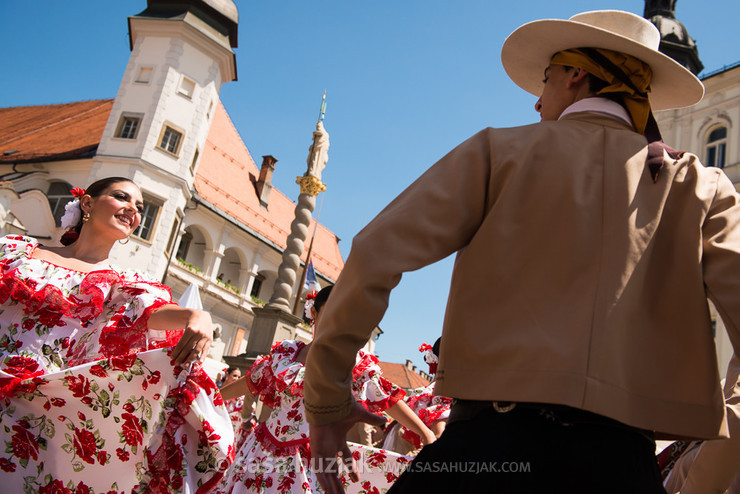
(603,106)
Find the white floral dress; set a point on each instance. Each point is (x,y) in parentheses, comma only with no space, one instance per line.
(429,407)
(275,457)
(234,407)
(90,401)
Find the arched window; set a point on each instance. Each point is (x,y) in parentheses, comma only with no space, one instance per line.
(58,196)
(716,147)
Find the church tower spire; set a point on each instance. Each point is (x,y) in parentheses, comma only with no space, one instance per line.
(674,37)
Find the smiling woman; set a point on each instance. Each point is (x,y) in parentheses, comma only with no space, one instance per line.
(98,365)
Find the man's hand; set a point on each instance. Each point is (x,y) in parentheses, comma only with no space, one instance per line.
(329,440)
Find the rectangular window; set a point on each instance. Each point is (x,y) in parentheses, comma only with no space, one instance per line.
(173,233)
(187,88)
(171,140)
(148,220)
(144,75)
(128,127)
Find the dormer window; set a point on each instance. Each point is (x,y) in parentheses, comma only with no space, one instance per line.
(716,147)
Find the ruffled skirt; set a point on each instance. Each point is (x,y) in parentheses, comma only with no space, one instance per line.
(123,424)
(259,469)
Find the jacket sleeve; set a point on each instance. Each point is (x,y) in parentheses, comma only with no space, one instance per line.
(434,217)
(715,463)
(721,255)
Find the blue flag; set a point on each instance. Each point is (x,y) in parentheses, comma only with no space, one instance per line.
(311,284)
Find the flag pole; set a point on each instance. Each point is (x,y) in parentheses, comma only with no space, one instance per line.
(297,302)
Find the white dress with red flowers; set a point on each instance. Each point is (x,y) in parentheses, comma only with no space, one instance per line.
(90,401)
(275,457)
(234,407)
(429,407)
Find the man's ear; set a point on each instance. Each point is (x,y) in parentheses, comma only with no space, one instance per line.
(577,76)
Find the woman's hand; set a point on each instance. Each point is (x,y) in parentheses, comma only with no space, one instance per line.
(427,437)
(198,335)
(196,340)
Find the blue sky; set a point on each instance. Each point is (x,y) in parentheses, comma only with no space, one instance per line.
(406,81)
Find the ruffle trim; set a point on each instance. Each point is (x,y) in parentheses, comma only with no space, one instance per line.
(125,336)
(50,304)
(168,457)
(396,395)
(432,414)
(270,382)
(281,448)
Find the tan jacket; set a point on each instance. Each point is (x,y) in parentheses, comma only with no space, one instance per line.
(578,280)
(713,467)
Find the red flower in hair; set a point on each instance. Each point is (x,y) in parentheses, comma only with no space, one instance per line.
(77,192)
(311,296)
(70,236)
(424,347)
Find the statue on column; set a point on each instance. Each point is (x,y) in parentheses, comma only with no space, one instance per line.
(311,186)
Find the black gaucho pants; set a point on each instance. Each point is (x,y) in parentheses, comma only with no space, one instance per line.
(534,449)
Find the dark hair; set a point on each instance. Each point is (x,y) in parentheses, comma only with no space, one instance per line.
(232,369)
(435,347)
(94,190)
(322,297)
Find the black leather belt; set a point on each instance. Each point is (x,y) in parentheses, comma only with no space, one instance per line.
(560,414)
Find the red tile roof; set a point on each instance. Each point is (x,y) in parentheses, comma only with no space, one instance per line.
(52,132)
(224,176)
(402,376)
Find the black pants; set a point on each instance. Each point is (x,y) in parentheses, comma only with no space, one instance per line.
(528,451)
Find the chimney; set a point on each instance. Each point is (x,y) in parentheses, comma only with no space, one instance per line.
(264,184)
(408,364)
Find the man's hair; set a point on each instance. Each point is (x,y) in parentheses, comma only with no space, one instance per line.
(596,84)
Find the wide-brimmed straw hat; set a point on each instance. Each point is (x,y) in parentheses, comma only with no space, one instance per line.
(528,50)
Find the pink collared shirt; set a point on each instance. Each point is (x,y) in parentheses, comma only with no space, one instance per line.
(599,105)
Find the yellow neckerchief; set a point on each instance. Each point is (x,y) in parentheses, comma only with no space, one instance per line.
(633,82)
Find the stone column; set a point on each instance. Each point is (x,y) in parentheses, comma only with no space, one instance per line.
(287,272)
(275,322)
(311,186)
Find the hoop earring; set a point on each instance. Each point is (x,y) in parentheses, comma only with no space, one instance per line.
(86,217)
(124,243)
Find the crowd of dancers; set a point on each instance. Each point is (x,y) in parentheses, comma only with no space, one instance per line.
(102,388)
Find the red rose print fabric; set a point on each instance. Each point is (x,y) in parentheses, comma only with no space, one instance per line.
(429,407)
(90,401)
(275,457)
